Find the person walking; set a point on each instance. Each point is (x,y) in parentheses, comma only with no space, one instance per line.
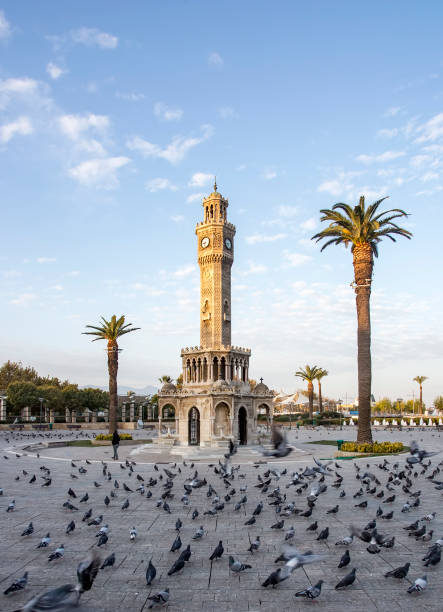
(115,443)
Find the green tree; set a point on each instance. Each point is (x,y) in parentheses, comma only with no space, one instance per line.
(111,331)
(438,402)
(154,403)
(362,228)
(179,381)
(22,395)
(420,380)
(320,374)
(165,379)
(96,400)
(71,397)
(14,371)
(383,405)
(52,395)
(309,374)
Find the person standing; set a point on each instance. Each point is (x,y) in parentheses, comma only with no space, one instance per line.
(115,443)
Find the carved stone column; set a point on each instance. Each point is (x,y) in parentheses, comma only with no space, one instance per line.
(74,416)
(123,413)
(67,415)
(51,415)
(94,416)
(131,412)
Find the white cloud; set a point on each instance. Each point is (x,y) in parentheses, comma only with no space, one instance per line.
(158,184)
(227,112)
(173,152)
(184,271)
(429,176)
(296,259)
(132,96)
(260,238)
(392,111)
(194,197)
(74,125)
(92,37)
(309,224)
(215,59)
(432,129)
(200,179)
(166,113)
(418,160)
(57,287)
(21,126)
(11,274)
(387,156)
(100,172)
(54,71)
(44,260)
(74,273)
(287,211)
(5,27)
(177,218)
(386,133)
(24,299)
(24,85)
(342,184)
(254,268)
(92,146)
(268,175)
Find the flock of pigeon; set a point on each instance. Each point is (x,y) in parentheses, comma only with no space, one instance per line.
(294,497)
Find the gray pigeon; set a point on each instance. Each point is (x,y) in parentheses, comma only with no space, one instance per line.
(17,585)
(419,585)
(311,592)
(159,598)
(237,566)
(347,580)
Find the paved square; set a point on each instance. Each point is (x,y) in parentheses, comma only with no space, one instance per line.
(203,585)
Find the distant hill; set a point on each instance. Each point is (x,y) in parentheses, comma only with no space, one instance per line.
(123,390)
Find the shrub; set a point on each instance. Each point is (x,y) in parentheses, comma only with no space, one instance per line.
(123,436)
(373,447)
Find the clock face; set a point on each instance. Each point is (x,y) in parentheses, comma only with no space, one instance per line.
(205,242)
(228,244)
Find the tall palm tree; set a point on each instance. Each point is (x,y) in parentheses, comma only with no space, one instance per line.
(111,331)
(165,379)
(320,374)
(362,228)
(420,380)
(309,374)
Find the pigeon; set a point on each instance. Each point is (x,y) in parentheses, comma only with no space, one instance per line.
(57,554)
(69,506)
(178,524)
(133,534)
(71,493)
(199,533)
(160,598)
(312,527)
(275,578)
(177,544)
(333,510)
(11,506)
(237,566)
(218,551)
(109,561)
(70,528)
(324,534)
(251,521)
(419,585)
(84,498)
(290,533)
(87,515)
(151,573)
(178,565)
(55,599)
(347,580)
(96,521)
(399,572)
(434,557)
(185,555)
(312,592)
(345,559)
(17,585)
(102,540)
(87,571)
(346,541)
(45,541)
(29,529)
(254,545)
(125,505)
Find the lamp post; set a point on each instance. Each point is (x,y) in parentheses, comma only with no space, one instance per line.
(340,402)
(41,400)
(399,406)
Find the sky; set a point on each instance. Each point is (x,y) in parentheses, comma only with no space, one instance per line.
(114,119)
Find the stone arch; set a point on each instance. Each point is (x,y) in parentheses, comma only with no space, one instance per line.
(222,422)
(222,373)
(168,411)
(194,427)
(205,369)
(215,369)
(242,425)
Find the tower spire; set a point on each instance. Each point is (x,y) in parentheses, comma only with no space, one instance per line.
(215,184)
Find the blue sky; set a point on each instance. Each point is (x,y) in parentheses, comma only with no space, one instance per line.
(113,121)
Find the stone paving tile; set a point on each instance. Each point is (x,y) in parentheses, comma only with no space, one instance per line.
(202,586)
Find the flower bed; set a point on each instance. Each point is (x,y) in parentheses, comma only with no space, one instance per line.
(374,447)
(123,436)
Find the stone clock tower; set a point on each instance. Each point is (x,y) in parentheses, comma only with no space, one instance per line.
(215,236)
(215,401)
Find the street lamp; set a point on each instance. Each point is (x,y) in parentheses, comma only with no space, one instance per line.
(340,402)
(41,400)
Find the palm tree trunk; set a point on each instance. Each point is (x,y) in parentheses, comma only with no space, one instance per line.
(421,399)
(311,398)
(363,275)
(320,403)
(113,398)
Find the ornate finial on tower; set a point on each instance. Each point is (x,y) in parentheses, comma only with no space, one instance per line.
(215,184)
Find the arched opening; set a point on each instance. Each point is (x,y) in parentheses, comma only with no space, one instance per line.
(194,427)
(215,369)
(221,421)
(223,368)
(205,370)
(264,414)
(168,412)
(243,425)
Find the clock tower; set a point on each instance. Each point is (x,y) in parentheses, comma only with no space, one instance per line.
(215,250)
